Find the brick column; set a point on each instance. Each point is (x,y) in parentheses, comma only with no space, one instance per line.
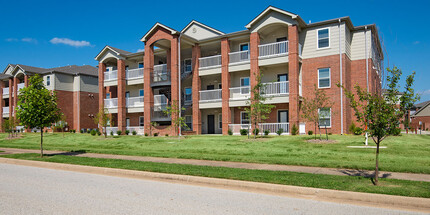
(1,105)
(197,115)
(15,94)
(225,80)
(255,69)
(121,96)
(102,90)
(10,97)
(148,99)
(174,76)
(293,74)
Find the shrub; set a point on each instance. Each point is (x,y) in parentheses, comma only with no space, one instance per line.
(134,132)
(166,135)
(280,131)
(146,134)
(358,131)
(99,133)
(230,132)
(310,132)
(88,131)
(330,133)
(127,132)
(111,133)
(93,132)
(294,130)
(256,131)
(397,132)
(155,134)
(119,132)
(352,128)
(243,132)
(266,132)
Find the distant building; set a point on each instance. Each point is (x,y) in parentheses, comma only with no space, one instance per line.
(420,116)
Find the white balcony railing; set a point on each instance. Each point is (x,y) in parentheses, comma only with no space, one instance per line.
(160,100)
(275,88)
(111,75)
(111,103)
(5,90)
(110,130)
(211,95)
(160,73)
(20,86)
(240,92)
(211,61)
(271,127)
(138,129)
(273,49)
(134,73)
(5,109)
(134,101)
(236,57)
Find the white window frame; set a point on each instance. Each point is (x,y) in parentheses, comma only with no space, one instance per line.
(220,121)
(318,39)
(141,117)
(185,90)
(241,119)
(48,80)
(108,96)
(329,77)
(240,44)
(245,86)
(191,60)
(319,119)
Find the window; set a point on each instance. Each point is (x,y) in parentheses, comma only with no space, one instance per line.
(107,69)
(187,65)
(324,78)
(140,65)
(324,117)
(107,95)
(141,92)
(244,84)
(219,86)
(323,38)
(188,94)
(126,68)
(127,94)
(244,118)
(244,47)
(282,47)
(48,80)
(127,122)
(282,116)
(189,122)
(244,55)
(220,121)
(141,121)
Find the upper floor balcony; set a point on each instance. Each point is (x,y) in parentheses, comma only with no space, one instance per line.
(6,91)
(160,76)
(111,75)
(211,95)
(134,102)
(239,57)
(210,62)
(20,86)
(111,103)
(131,74)
(273,49)
(5,110)
(275,88)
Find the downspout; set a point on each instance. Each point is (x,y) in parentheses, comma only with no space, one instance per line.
(79,106)
(179,78)
(367,76)
(341,83)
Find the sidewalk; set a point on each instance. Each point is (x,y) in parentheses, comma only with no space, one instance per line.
(272,167)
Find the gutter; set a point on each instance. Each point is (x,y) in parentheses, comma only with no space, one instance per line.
(341,82)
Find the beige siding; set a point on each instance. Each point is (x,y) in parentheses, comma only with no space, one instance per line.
(89,84)
(348,40)
(272,18)
(210,80)
(309,39)
(134,90)
(234,45)
(424,112)
(271,73)
(199,32)
(52,84)
(236,76)
(358,44)
(63,82)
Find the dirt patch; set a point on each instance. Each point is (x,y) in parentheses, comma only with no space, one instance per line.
(317,141)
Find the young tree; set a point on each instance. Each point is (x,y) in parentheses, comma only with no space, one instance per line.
(311,107)
(103,118)
(258,110)
(151,127)
(37,107)
(408,99)
(380,111)
(62,123)
(7,127)
(173,110)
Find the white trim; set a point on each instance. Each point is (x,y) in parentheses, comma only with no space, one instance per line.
(268,9)
(329,77)
(245,85)
(103,50)
(319,119)
(172,31)
(329,38)
(240,44)
(241,121)
(203,25)
(143,121)
(277,115)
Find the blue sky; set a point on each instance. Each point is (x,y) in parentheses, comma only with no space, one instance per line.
(57,33)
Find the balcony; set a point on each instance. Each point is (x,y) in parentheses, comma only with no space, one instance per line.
(158,114)
(211,95)
(111,103)
(111,75)
(271,127)
(239,93)
(20,86)
(111,129)
(134,74)
(160,76)
(139,130)
(160,100)
(134,102)
(273,49)
(5,110)
(210,62)
(239,57)
(6,91)
(275,88)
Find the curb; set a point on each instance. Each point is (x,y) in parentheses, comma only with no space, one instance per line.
(367,199)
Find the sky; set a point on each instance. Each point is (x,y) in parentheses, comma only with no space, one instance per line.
(57,33)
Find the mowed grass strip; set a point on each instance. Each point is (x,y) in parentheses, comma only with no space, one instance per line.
(348,183)
(406,153)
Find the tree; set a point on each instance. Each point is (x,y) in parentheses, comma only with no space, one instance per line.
(311,107)
(408,99)
(37,107)
(381,112)
(258,110)
(173,110)
(7,127)
(62,123)
(151,127)
(103,118)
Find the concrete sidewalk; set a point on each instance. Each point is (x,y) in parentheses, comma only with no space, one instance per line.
(241,165)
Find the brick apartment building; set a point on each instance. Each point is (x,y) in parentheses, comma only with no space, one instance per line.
(211,73)
(76,88)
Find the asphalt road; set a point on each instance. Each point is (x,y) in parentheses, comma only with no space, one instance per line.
(32,190)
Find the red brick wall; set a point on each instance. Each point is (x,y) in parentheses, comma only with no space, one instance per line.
(134,118)
(65,103)
(88,106)
(425,122)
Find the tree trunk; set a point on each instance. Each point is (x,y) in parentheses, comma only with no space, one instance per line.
(377,164)
(41,142)
(319,129)
(326,135)
(105,133)
(315,130)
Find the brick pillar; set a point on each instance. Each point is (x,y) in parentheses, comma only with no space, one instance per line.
(15,95)
(168,59)
(148,99)
(121,96)
(1,105)
(293,74)
(102,90)
(197,115)
(10,97)
(174,76)
(225,80)
(255,69)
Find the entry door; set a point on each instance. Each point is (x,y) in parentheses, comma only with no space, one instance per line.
(211,124)
(283,118)
(127,122)
(283,85)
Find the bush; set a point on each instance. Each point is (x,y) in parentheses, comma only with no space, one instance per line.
(243,132)
(294,130)
(134,132)
(99,133)
(155,134)
(280,131)
(397,132)
(119,132)
(111,133)
(166,135)
(352,128)
(93,132)
(266,132)
(127,132)
(82,131)
(256,131)
(310,132)
(73,130)
(146,134)
(330,133)
(358,131)
(230,132)
(88,131)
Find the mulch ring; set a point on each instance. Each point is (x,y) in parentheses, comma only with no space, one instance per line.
(323,141)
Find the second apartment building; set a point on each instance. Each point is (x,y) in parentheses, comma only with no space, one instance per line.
(211,73)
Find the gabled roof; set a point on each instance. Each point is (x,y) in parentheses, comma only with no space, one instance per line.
(172,31)
(31,69)
(271,8)
(74,70)
(426,104)
(116,50)
(9,65)
(422,104)
(203,25)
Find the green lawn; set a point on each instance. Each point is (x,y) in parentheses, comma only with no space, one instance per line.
(357,184)
(407,153)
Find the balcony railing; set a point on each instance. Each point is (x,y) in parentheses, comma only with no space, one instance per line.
(20,86)
(111,103)
(275,88)
(211,95)
(240,92)
(5,90)
(134,101)
(111,129)
(160,74)
(111,75)
(5,109)
(273,49)
(158,113)
(138,129)
(134,73)
(236,57)
(211,61)
(160,100)
(271,127)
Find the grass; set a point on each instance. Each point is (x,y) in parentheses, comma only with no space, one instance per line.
(406,153)
(356,184)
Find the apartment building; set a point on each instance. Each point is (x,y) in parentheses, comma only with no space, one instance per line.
(211,73)
(76,88)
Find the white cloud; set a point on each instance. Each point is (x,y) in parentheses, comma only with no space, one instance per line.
(29,40)
(69,42)
(140,50)
(425,92)
(11,39)
(416,42)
